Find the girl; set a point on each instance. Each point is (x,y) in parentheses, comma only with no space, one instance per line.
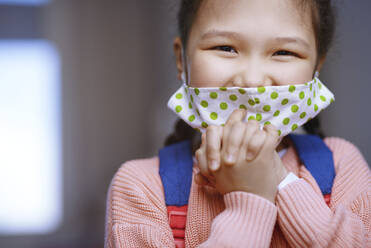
(249,69)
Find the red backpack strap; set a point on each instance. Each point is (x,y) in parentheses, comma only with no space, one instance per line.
(327,198)
(177,220)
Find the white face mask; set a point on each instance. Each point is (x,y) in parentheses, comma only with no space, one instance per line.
(286,107)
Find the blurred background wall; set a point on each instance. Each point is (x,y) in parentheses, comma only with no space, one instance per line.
(117,73)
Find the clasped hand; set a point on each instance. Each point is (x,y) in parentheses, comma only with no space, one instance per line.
(241,157)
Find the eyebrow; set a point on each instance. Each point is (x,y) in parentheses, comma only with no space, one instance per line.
(216,33)
(234,35)
(292,40)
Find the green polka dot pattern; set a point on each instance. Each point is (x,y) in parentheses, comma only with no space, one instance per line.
(267,108)
(213,95)
(285,101)
(213,116)
(274,95)
(286,107)
(179,96)
(294,127)
(233,97)
(204,104)
(223,106)
(294,108)
(286,121)
(251,102)
(178,108)
(301,95)
(261,90)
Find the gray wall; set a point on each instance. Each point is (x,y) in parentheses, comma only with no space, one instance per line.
(115,51)
(347,74)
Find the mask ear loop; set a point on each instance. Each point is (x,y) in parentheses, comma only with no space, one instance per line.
(183,75)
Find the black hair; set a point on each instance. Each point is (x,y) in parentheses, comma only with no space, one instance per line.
(323,16)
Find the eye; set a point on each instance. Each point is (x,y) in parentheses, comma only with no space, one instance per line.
(285,53)
(228,49)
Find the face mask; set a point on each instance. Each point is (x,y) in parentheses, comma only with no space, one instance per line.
(286,107)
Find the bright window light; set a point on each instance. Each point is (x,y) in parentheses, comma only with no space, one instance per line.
(24,2)
(30,138)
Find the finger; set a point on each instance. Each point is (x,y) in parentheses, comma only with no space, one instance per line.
(233,143)
(203,138)
(202,161)
(200,155)
(250,128)
(200,179)
(213,141)
(272,139)
(272,130)
(255,144)
(237,115)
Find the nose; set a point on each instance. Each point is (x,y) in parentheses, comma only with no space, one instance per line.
(251,74)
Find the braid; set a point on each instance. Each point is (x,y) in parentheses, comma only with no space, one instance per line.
(184,132)
(314,127)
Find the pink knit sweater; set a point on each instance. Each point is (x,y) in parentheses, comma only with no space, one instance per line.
(137,216)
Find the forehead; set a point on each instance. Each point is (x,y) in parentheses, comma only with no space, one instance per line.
(276,17)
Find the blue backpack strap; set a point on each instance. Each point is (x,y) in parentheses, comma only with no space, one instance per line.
(317,158)
(176,165)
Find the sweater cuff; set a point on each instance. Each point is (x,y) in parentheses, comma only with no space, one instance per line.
(301,210)
(247,219)
(291,177)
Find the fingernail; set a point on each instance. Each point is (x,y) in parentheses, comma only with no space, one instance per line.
(249,155)
(230,159)
(214,165)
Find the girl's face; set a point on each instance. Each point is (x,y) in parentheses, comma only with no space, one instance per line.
(249,43)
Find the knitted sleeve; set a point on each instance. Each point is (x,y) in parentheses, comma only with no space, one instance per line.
(307,221)
(247,221)
(136,213)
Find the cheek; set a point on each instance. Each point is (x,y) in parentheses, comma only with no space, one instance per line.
(207,71)
(293,73)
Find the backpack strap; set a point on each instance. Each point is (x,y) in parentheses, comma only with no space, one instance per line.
(318,159)
(176,166)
